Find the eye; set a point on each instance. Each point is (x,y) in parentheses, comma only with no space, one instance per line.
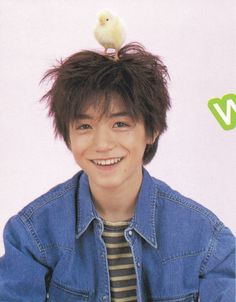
(107,19)
(83,127)
(122,124)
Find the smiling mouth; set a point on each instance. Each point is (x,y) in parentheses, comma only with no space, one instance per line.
(107,163)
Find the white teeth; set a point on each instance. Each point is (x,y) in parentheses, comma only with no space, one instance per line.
(107,162)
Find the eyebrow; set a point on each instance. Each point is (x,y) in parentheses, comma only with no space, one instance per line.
(117,114)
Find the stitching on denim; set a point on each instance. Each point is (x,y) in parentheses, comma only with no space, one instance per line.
(136,260)
(81,229)
(31,210)
(82,294)
(57,246)
(76,204)
(78,210)
(174,299)
(29,227)
(183,255)
(144,236)
(104,262)
(152,238)
(154,210)
(26,214)
(194,207)
(212,242)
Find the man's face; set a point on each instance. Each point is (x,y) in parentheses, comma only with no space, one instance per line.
(94,142)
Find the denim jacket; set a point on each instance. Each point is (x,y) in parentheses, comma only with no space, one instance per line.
(54,249)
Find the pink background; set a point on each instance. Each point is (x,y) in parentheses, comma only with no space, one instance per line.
(196,40)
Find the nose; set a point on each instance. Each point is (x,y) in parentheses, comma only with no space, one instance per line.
(103,140)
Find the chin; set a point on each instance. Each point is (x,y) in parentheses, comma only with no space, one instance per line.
(109,183)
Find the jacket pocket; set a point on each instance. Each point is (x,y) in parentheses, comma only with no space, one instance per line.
(188,298)
(61,293)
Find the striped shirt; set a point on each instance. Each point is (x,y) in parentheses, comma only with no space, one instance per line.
(120,261)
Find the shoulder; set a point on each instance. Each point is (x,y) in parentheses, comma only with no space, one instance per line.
(188,229)
(50,219)
(53,198)
(184,226)
(46,225)
(174,201)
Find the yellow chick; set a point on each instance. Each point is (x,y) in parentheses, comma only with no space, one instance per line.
(110,31)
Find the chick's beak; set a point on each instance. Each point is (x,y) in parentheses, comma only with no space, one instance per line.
(102,20)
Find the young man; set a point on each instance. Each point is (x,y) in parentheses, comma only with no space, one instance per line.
(113,232)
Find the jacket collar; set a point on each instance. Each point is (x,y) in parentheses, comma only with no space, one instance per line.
(144,219)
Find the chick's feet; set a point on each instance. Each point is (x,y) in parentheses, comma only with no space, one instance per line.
(116,57)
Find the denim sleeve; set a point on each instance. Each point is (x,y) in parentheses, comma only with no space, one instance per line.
(22,276)
(217,278)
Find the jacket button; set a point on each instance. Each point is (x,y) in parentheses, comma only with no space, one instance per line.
(104,298)
(130,233)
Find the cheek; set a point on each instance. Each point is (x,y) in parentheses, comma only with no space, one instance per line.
(136,140)
(79,144)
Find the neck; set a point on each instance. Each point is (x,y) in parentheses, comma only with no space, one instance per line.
(117,204)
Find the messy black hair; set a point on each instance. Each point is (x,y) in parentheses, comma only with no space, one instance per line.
(87,77)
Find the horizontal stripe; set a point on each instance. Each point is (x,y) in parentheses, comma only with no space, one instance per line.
(112,234)
(129,299)
(123,283)
(118,250)
(116,245)
(124,294)
(120,261)
(114,239)
(120,289)
(115,224)
(117,267)
(119,256)
(123,277)
(122,272)
(114,229)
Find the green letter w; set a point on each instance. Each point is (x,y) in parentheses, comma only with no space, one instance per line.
(224,110)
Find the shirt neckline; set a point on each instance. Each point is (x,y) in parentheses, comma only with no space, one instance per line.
(117,223)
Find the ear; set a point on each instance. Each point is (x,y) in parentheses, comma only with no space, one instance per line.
(68,144)
(152,140)
(68,147)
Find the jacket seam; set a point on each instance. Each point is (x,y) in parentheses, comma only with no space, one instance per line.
(179,298)
(211,245)
(195,208)
(183,255)
(29,212)
(155,205)
(30,229)
(79,293)
(57,246)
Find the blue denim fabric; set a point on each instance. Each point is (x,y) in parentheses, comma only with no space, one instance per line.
(55,252)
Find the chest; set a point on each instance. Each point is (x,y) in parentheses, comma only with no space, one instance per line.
(82,274)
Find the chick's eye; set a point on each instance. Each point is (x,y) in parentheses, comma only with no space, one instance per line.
(107,19)
(121,125)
